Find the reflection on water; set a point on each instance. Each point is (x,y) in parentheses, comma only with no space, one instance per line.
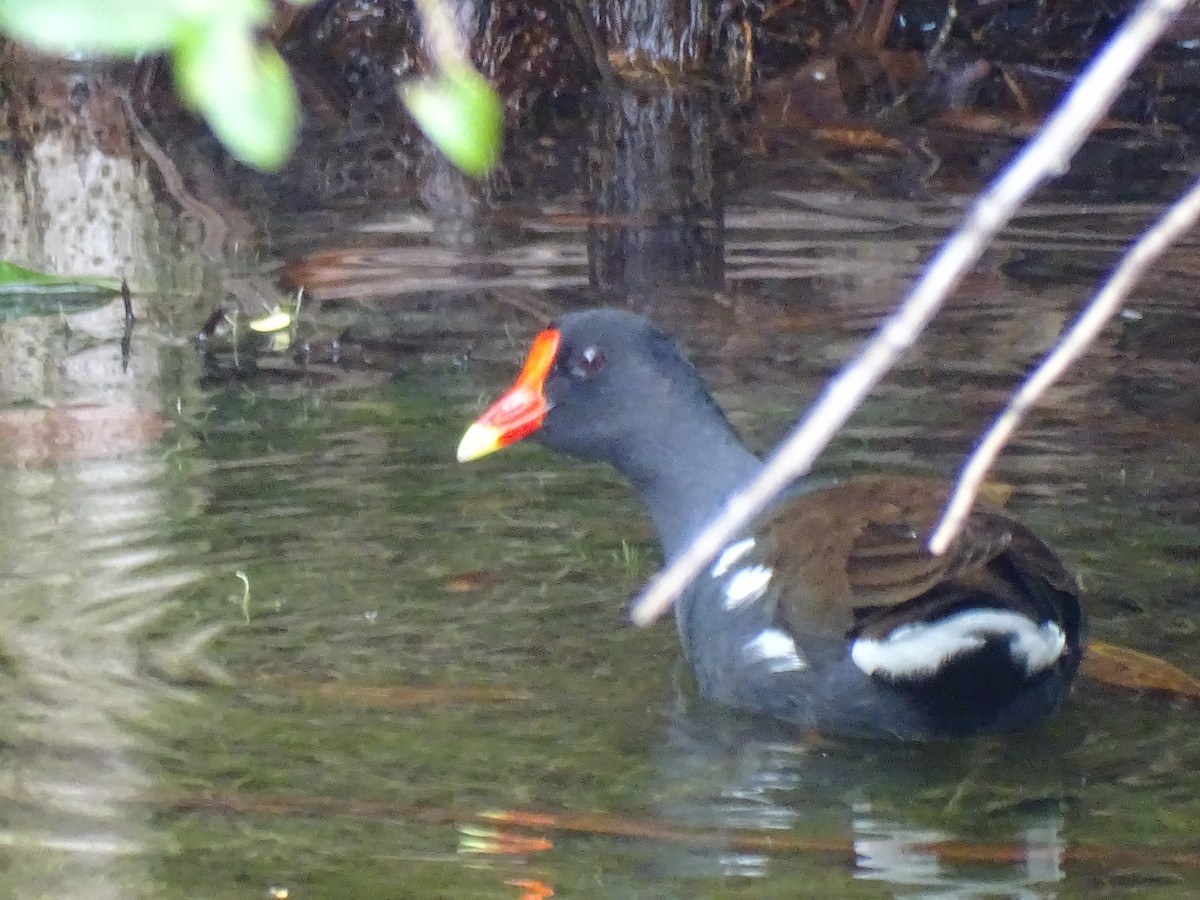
(890,852)
(85,571)
(730,773)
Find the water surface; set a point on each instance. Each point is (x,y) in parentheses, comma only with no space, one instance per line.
(430,689)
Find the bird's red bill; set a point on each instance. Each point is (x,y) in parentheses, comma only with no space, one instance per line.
(519,411)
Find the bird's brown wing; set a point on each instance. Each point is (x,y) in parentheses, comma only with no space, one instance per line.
(846,555)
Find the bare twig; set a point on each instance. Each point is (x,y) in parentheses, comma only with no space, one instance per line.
(1046,155)
(1102,307)
(442,35)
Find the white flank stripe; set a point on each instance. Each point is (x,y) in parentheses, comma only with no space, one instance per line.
(918,650)
(730,555)
(776,649)
(746,584)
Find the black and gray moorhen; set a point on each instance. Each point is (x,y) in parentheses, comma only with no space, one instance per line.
(828,612)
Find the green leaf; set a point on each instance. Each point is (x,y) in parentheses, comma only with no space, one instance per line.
(24,292)
(242,88)
(461,114)
(121,27)
(16,279)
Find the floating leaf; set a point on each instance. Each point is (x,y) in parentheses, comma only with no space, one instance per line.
(461,114)
(16,279)
(1122,667)
(276,320)
(26,292)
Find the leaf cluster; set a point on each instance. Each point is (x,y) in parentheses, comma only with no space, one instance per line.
(236,80)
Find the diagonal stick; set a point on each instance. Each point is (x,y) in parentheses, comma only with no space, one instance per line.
(1048,154)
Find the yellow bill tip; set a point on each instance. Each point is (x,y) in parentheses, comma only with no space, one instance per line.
(479,440)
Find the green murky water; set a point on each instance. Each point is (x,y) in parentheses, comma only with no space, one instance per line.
(427,646)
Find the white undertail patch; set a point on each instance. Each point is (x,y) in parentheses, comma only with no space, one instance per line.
(746,584)
(921,649)
(774,648)
(730,555)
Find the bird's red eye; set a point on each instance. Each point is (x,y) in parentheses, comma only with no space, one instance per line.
(588,362)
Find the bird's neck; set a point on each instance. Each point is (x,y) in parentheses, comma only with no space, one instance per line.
(684,472)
